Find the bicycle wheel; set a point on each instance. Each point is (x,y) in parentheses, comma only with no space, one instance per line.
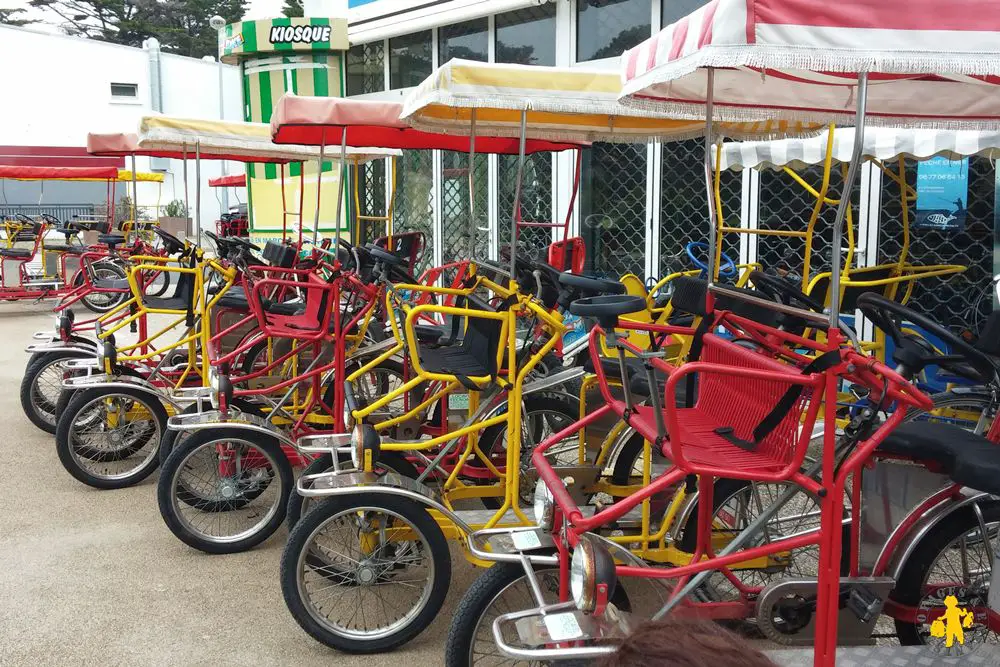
(224,490)
(365,572)
(41,386)
(966,409)
(108,437)
(99,301)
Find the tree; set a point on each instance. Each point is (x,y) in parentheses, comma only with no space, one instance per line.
(9,16)
(181,26)
(293,8)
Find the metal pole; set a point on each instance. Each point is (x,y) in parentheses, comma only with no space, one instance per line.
(184,173)
(709,141)
(340,185)
(222,116)
(319,177)
(517,193)
(197,191)
(472,185)
(845,197)
(135,196)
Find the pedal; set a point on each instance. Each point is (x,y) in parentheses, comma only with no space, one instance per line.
(864,603)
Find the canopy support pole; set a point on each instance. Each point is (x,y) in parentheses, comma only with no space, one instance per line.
(845,198)
(184,175)
(135,197)
(709,185)
(472,185)
(319,180)
(517,193)
(197,192)
(340,188)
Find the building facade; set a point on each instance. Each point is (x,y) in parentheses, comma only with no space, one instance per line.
(66,87)
(639,205)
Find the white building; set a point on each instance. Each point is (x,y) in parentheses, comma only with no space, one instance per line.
(59,88)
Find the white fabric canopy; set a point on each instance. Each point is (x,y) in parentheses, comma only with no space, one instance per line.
(930,63)
(882,143)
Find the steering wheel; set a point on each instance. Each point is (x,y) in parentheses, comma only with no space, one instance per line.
(727,267)
(25,219)
(784,291)
(249,245)
(887,316)
(51,219)
(170,242)
(384,255)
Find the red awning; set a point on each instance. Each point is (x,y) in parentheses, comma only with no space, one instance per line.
(311,121)
(230,181)
(22,173)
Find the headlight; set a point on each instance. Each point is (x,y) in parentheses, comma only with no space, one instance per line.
(348,416)
(545,506)
(100,356)
(215,387)
(592,576)
(364,446)
(98,329)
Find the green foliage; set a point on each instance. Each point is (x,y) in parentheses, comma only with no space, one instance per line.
(292,8)
(175,209)
(181,26)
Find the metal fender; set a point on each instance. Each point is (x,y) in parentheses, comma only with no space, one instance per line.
(234,418)
(122,382)
(927,523)
(337,483)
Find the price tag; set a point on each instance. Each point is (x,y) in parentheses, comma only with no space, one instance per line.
(525,540)
(563,627)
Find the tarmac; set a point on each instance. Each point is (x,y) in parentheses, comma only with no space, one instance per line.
(93,577)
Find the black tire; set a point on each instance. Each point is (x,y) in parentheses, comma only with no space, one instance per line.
(298,551)
(491,441)
(279,471)
(103,302)
(387,461)
(41,409)
(69,451)
(467,623)
(974,402)
(917,568)
(160,284)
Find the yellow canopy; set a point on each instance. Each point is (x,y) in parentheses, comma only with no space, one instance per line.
(225,140)
(564,104)
(125,175)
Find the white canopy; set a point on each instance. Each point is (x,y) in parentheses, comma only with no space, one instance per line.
(881,143)
(930,63)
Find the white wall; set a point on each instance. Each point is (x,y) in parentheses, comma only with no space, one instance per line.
(56,89)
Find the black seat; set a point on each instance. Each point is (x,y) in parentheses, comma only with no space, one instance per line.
(66,247)
(111,283)
(182,298)
(637,382)
(476,356)
(235,298)
(111,239)
(15,253)
(967,458)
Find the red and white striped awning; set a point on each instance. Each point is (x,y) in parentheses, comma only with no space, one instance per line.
(931,63)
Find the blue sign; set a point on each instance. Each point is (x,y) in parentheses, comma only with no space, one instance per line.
(942,194)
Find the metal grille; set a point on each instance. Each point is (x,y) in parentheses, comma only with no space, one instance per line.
(960,301)
(536,202)
(613,208)
(684,205)
(455,205)
(785,205)
(366,68)
(64,212)
(371,199)
(414,210)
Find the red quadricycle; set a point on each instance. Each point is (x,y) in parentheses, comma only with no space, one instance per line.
(915,543)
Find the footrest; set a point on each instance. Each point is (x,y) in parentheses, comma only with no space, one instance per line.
(510,545)
(324,443)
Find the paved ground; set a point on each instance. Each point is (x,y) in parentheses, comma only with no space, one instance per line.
(93,577)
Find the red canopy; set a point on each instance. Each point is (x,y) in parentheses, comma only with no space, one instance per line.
(311,121)
(230,181)
(22,173)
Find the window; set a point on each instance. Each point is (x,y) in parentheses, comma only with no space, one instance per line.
(410,59)
(527,36)
(124,91)
(464,40)
(606,28)
(365,69)
(672,11)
